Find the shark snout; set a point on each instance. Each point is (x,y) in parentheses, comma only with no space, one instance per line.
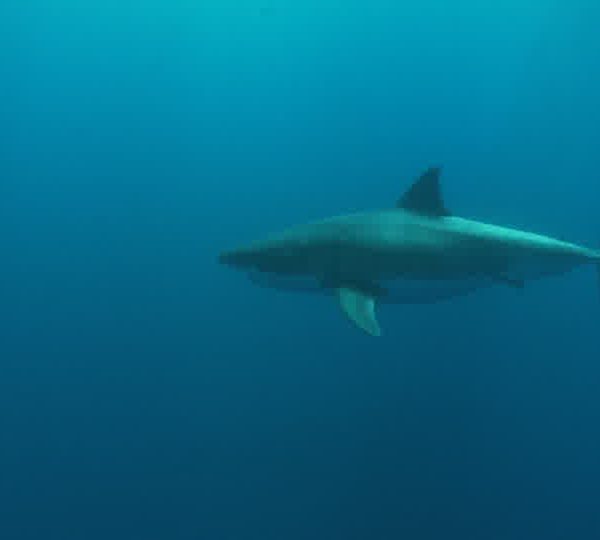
(270,257)
(245,258)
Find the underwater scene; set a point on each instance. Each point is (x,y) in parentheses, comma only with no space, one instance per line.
(299,269)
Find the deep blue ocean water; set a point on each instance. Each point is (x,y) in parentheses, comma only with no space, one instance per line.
(148,393)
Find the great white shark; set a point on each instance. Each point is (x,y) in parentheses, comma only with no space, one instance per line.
(416,252)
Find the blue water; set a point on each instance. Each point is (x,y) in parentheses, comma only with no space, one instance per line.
(148,393)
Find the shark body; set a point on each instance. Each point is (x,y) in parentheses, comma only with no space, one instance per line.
(413,253)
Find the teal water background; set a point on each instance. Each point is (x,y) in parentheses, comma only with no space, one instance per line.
(146,392)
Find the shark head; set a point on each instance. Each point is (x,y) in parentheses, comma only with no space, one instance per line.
(284,254)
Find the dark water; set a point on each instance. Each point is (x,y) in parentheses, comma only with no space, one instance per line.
(146,392)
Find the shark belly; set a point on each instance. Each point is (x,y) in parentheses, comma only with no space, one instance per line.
(396,291)
(532,268)
(427,291)
(283,282)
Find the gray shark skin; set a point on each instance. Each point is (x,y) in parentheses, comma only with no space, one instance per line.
(417,252)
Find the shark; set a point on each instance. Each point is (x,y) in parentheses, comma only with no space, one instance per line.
(415,252)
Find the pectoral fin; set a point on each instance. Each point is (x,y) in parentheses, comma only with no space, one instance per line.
(359,307)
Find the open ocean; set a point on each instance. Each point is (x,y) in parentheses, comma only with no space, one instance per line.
(147,392)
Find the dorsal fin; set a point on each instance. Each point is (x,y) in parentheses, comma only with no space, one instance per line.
(425,196)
